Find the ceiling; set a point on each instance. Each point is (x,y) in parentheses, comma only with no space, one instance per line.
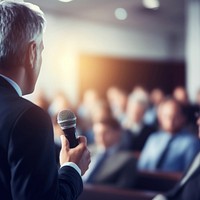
(170,15)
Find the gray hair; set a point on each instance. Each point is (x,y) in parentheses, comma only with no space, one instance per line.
(20,24)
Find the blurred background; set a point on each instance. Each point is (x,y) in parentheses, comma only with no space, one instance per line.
(98,43)
(129,70)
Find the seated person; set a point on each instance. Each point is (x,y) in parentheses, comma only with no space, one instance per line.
(109,164)
(188,188)
(117,99)
(84,114)
(136,131)
(181,95)
(172,148)
(156,97)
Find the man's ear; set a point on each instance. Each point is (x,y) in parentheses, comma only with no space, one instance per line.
(31,55)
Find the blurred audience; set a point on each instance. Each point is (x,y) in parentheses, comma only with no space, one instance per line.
(156,97)
(136,131)
(110,165)
(188,188)
(172,148)
(101,110)
(84,113)
(58,103)
(181,95)
(117,99)
(123,122)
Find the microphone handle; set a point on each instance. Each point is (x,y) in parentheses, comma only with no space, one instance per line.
(70,135)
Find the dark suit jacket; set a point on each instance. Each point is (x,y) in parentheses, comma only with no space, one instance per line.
(28,169)
(135,142)
(118,170)
(188,191)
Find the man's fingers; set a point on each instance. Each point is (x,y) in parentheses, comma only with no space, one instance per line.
(64,142)
(82,139)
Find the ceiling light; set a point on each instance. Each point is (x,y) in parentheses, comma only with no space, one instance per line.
(151,4)
(121,14)
(65,0)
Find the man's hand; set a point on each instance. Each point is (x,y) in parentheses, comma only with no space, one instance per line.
(79,155)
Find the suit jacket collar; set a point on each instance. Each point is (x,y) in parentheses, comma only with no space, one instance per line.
(180,185)
(5,84)
(196,168)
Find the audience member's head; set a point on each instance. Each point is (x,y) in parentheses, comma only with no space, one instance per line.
(117,99)
(111,94)
(100,110)
(181,95)
(107,132)
(138,102)
(171,116)
(90,97)
(157,96)
(59,102)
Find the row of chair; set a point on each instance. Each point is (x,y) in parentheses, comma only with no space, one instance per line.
(148,184)
(92,192)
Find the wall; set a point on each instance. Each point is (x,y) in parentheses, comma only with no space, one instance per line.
(66,38)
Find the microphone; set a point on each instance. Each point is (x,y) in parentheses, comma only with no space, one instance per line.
(67,121)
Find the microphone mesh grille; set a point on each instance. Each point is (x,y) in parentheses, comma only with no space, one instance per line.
(66,119)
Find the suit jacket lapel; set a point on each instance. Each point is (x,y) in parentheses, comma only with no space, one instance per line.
(193,170)
(187,177)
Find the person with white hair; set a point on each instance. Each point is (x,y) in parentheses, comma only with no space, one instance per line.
(28,169)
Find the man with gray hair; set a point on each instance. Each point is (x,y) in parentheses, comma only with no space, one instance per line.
(28,169)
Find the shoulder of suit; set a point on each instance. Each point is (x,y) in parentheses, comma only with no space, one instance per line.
(26,107)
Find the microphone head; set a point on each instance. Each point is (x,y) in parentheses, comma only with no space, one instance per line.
(66,119)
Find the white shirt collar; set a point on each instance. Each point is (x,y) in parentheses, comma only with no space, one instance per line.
(14,85)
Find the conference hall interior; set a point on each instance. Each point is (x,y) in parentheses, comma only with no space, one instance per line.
(130,72)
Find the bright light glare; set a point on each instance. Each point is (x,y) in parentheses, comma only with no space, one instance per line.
(121,14)
(65,0)
(151,4)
